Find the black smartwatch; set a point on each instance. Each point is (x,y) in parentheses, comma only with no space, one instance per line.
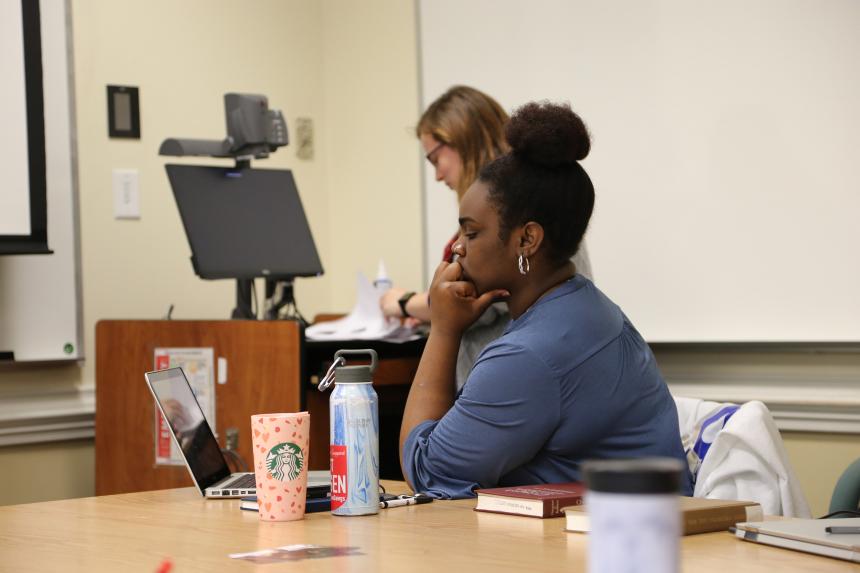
(402,302)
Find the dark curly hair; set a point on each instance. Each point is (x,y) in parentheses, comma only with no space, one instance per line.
(541,179)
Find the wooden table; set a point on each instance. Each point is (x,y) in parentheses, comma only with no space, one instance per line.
(134,532)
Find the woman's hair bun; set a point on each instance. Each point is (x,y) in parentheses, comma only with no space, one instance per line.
(548,134)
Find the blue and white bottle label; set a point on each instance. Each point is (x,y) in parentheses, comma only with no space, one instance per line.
(354,450)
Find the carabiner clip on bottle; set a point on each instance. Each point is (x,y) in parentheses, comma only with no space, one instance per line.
(328,379)
(340,361)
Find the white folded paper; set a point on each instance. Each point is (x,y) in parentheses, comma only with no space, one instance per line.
(365,322)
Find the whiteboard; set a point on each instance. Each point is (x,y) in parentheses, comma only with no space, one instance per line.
(725,156)
(40,295)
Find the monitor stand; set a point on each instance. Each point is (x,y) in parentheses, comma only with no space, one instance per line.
(281,301)
(244,309)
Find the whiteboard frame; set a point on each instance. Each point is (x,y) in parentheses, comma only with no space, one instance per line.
(41,302)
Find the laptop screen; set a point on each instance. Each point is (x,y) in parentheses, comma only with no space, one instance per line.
(190,429)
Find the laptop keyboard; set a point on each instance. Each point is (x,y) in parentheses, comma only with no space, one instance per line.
(244,481)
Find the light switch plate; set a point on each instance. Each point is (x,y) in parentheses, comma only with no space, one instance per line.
(222,370)
(304,138)
(126,194)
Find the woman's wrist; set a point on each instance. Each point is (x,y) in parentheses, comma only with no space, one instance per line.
(417,307)
(403,301)
(450,332)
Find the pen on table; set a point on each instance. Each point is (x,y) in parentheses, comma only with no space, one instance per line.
(406,500)
(842,529)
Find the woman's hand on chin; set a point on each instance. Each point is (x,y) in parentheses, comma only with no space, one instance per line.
(454,302)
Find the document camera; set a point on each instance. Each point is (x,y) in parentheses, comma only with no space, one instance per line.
(253,131)
(244,223)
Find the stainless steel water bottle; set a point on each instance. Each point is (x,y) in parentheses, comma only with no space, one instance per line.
(354,443)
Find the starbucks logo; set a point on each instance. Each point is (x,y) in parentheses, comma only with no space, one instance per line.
(285,461)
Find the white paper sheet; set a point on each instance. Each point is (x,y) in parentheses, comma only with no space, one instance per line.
(365,322)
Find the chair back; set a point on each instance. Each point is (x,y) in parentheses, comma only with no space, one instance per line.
(735,452)
(846,494)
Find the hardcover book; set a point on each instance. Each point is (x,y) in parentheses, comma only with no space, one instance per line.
(699,515)
(543,500)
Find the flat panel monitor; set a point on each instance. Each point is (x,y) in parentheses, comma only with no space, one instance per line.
(244,223)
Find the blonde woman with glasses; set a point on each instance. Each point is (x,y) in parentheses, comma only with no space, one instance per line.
(462,131)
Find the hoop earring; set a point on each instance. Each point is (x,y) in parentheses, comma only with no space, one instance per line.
(524,268)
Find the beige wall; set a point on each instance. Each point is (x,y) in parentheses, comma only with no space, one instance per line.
(372,159)
(819,460)
(46,472)
(184,56)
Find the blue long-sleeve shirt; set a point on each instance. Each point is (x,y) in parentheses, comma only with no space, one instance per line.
(569,380)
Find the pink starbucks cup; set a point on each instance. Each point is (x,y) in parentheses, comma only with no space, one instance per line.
(280,444)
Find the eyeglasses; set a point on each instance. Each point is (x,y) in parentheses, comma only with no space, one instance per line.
(431,155)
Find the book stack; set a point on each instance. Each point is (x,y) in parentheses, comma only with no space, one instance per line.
(699,515)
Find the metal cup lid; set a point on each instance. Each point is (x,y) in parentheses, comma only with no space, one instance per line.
(638,476)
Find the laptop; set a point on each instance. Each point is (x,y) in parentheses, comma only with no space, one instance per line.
(809,535)
(200,449)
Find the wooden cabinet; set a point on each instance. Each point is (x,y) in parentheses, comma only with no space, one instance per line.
(263,375)
(269,369)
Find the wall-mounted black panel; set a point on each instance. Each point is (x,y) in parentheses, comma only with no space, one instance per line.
(123,112)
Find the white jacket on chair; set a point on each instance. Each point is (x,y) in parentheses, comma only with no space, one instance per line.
(743,456)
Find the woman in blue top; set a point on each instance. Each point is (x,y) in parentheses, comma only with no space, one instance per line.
(570,379)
